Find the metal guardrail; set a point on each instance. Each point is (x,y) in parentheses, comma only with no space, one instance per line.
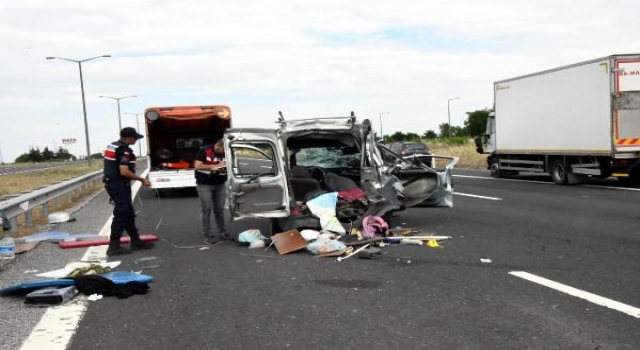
(26,203)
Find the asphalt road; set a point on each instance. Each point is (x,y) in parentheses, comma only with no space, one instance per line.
(412,297)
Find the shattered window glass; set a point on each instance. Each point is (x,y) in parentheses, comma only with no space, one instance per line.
(329,157)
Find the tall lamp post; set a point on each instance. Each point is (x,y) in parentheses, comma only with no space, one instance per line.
(138,128)
(381,134)
(84,106)
(118,101)
(449,114)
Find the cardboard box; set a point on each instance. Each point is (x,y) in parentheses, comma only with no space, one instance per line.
(289,241)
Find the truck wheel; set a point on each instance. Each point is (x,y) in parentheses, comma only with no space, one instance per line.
(558,172)
(495,168)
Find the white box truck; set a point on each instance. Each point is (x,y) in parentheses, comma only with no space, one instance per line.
(174,135)
(572,122)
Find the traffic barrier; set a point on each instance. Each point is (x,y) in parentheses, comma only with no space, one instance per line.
(24,204)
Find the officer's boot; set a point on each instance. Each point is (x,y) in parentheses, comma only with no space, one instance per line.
(138,244)
(116,249)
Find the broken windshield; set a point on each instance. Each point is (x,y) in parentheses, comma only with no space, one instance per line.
(329,157)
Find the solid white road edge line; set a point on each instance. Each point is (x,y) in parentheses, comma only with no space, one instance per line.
(596,299)
(613,188)
(546,183)
(59,323)
(477,196)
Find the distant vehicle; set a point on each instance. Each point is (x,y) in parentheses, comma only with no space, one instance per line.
(174,135)
(272,172)
(411,149)
(572,122)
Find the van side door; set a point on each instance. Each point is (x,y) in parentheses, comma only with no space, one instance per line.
(257,182)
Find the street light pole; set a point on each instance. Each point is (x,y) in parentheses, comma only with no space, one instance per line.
(138,128)
(449,114)
(118,101)
(381,134)
(84,105)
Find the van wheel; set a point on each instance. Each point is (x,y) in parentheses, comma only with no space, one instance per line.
(495,168)
(558,172)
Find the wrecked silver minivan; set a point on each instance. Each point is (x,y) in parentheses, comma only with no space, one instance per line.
(273,173)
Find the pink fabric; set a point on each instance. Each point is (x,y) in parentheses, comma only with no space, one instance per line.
(352,194)
(372,225)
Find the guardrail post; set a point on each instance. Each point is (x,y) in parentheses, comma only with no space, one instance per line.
(45,209)
(14,224)
(28,218)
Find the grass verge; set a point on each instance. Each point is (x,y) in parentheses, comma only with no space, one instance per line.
(26,182)
(469,158)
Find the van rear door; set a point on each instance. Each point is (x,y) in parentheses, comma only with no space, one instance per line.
(626,105)
(257,184)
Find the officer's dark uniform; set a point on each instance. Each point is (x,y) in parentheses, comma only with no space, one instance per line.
(119,189)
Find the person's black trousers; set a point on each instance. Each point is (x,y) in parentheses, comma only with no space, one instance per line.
(124,215)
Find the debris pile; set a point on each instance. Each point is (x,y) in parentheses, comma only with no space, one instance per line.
(88,278)
(365,243)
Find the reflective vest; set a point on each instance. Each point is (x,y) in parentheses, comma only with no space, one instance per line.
(118,153)
(205,176)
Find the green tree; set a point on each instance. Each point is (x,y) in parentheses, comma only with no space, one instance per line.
(47,154)
(397,136)
(476,122)
(23,158)
(444,130)
(35,155)
(412,137)
(429,134)
(63,154)
(458,131)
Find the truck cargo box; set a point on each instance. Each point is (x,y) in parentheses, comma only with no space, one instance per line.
(573,122)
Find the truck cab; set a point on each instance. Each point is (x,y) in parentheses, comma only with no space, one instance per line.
(174,135)
(274,172)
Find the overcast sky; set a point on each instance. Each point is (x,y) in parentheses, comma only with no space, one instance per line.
(305,58)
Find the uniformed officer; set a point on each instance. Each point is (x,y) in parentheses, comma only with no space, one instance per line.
(211,176)
(119,170)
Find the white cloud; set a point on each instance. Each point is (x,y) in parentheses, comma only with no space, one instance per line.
(306,58)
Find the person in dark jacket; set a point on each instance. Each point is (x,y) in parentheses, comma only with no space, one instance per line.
(211,176)
(119,170)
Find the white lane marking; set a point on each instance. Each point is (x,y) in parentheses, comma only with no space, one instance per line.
(546,183)
(596,299)
(58,325)
(478,196)
(613,188)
